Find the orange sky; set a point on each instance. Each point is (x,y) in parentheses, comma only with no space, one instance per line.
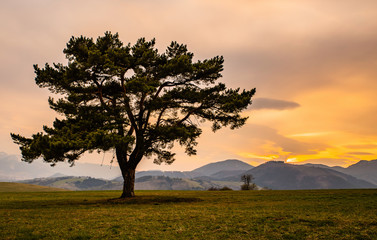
(314,64)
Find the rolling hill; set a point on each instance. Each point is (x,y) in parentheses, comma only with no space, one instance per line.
(283,176)
(167,183)
(141,183)
(223,170)
(218,174)
(227,165)
(76,183)
(273,175)
(365,170)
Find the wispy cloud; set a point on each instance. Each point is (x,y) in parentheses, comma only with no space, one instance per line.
(362,146)
(311,134)
(273,104)
(360,153)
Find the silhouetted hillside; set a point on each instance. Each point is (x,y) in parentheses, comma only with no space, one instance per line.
(336,168)
(280,175)
(228,170)
(274,175)
(228,175)
(167,183)
(366,170)
(227,165)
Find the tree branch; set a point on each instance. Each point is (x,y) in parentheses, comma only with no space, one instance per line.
(127,103)
(141,111)
(189,114)
(160,116)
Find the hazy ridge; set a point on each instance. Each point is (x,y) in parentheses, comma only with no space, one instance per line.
(272,175)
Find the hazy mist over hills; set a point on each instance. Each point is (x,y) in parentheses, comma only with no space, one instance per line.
(12,168)
(273,175)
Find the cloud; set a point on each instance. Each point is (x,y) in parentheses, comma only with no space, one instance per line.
(360,153)
(273,104)
(362,146)
(267,141)
(315,57)
(311,134)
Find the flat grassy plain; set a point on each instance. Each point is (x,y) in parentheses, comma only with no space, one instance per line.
(313,214)
(22,187)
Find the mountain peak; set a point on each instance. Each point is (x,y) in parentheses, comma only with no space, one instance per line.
(275,162)
(226,165)
(364,163)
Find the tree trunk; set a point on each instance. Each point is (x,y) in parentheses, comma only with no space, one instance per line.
(129,183)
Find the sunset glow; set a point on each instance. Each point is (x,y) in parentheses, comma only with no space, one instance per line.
(313,64)
(291,160)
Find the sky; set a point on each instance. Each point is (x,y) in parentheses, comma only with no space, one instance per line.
(313,64)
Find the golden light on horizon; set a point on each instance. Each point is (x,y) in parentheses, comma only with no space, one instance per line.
(313,64)
(311,134)
(250,155)
(290,160)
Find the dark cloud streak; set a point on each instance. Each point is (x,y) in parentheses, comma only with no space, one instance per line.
(273,104)
(362,146)
(360,153)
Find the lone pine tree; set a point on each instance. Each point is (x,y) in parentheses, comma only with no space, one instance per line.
(133,100)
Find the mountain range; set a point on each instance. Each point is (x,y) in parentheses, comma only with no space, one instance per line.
(280,175)
(271,175)
(366,170)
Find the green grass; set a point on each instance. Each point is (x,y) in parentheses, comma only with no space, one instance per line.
(316,214)
(22,187)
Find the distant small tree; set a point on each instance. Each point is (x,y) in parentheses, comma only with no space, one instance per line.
(247,182)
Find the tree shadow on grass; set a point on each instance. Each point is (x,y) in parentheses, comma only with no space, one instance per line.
(152,200)
(63,203)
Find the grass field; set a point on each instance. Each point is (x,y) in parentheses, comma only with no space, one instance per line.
(22,187)
(316,214)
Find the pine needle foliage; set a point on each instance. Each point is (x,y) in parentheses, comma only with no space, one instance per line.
(132,99)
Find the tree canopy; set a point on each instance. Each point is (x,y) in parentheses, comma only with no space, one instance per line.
(132,99)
